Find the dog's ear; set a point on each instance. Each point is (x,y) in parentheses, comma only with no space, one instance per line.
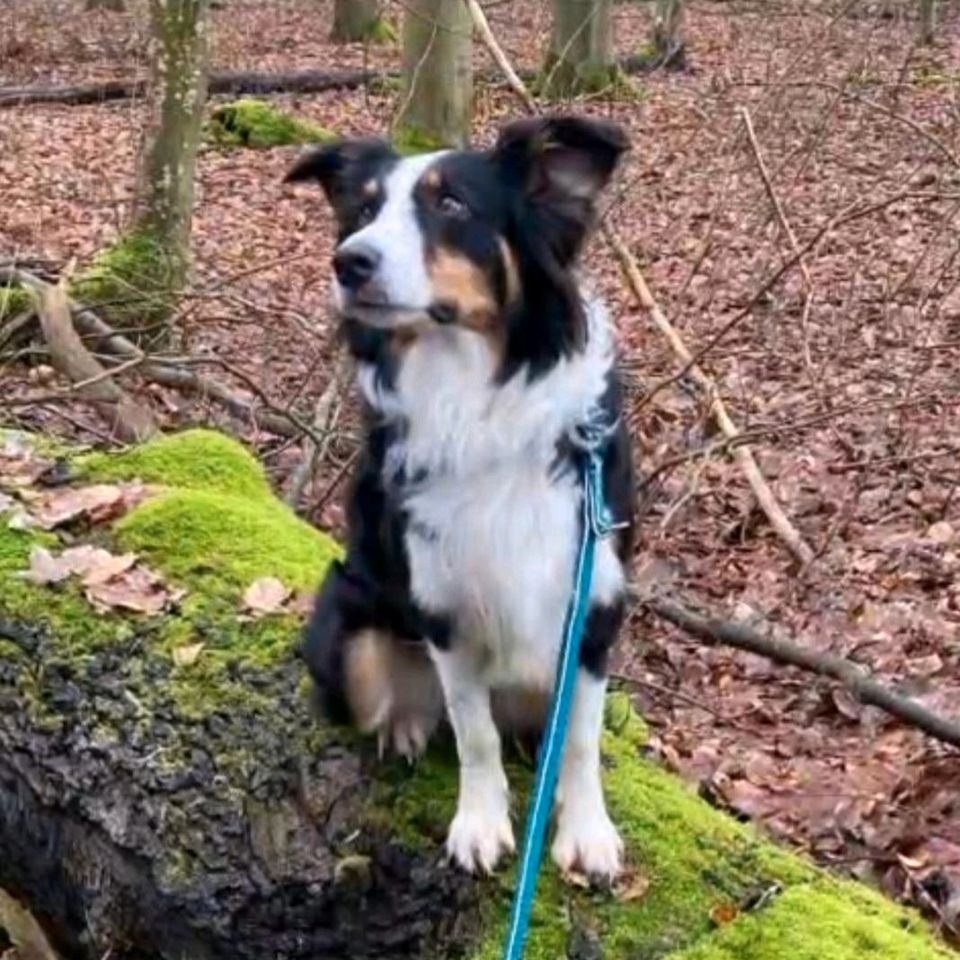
(561,160)
(341,167)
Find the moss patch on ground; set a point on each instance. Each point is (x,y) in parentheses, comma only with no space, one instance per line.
(258,124)
(13,302)
(134,283)
(409,140)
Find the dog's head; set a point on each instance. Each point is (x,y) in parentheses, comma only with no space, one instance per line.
(482,240)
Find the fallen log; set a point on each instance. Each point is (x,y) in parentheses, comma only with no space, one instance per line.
(229,82)
(254,83)
(166,791)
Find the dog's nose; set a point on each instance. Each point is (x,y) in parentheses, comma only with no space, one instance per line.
(354,266)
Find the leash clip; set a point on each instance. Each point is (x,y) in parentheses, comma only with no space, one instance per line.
(599,515)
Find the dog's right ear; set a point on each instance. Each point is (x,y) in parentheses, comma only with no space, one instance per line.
(342,167)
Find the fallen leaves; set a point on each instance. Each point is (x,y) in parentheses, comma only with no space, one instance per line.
(188,654)
(110,581)
(268,595)
(96,504)
(264,596)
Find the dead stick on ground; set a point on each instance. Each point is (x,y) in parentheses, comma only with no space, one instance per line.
(855,678)
(500,58)
(109,341)
(128,420)
(761,489)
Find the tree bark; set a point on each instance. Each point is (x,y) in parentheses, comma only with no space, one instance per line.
(163,205)
(668,31)
(131,831)
(117,6)
(580,58)
(437,100)
(353,20)
(928,21)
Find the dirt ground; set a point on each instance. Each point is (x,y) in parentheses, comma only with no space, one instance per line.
(845,373)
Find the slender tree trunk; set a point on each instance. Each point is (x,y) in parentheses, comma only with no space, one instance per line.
(581,57)
(668,30)
(437,98)
(928,21)
(354,20)
(164,198)
(118,6)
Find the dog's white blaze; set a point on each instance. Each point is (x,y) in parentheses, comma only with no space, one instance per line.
(395,234)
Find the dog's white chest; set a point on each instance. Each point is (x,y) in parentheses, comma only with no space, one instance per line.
(496,552)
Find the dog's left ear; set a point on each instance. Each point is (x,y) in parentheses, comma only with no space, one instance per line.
(561,160)
(336,166)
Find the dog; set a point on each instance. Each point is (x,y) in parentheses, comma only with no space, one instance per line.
(481,360)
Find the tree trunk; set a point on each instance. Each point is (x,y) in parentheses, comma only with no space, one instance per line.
(118,6)
(354,20)
(437,100)
(668,31)
(580,58)
(928,21)
(164,197)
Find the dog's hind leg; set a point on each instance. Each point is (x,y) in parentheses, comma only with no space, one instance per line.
(392,689)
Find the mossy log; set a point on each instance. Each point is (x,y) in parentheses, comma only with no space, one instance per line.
(167,807)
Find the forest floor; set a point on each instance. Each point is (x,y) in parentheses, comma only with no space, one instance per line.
(849,383)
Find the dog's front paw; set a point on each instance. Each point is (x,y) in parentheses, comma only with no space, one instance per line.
(480,834)
(588,843)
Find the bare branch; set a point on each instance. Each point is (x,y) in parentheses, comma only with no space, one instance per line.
(761,489)
(856,679)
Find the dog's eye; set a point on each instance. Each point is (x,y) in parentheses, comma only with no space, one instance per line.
(451,206)
(365,213)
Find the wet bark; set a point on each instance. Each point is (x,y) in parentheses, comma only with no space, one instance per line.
(354,19)
(437,101)
(163,205)
(132,831)
(581,55)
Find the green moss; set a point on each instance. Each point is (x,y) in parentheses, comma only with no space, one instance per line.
(825,920)
(410,140)
(561,79)
(382,31)
(191,460)
(213,530)
(134,283)
(255,123)
(217,544)
(13,302)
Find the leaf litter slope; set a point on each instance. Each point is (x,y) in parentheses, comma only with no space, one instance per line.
(849,384)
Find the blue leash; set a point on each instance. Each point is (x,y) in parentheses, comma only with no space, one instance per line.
(596,522)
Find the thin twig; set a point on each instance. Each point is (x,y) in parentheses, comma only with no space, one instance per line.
(500,58)
(761,489)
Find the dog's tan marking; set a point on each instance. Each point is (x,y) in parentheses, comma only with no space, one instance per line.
(369,686)
(371,188)
(459,281)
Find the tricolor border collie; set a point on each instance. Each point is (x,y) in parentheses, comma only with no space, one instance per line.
(482,362)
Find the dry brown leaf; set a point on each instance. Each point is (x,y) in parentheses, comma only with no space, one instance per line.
(186,655)
(45,568)
(27,936)
(58,507)
(138,590)
(266,595)
(93,564)
(631,886)
(723,913)
(97,503)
